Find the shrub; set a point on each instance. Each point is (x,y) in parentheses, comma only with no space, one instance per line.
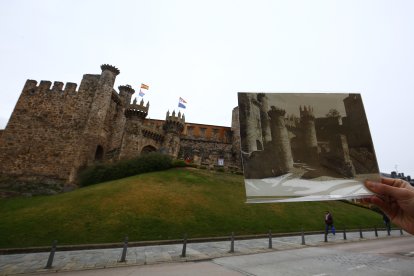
(104,172)
(179,163)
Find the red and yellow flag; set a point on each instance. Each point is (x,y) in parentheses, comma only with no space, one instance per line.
(144,86)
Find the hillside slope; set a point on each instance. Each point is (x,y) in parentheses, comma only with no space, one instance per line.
(162,205)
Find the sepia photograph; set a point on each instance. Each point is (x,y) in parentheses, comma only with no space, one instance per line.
(305,146)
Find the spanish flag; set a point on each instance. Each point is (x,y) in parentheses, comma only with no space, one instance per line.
(144,86)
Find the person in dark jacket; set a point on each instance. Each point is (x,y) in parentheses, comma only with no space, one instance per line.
(329,223)
(387,222)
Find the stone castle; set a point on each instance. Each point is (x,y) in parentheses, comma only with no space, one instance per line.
(275,142)
(55,131)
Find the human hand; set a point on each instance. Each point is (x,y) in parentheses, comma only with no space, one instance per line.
(395,197)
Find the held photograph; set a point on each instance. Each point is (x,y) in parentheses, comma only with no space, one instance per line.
(305,146)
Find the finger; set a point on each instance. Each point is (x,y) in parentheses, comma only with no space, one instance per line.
(383,189)
(383,205)
(395,182)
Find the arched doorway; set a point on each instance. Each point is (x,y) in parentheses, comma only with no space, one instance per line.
(148,149)
(99,153)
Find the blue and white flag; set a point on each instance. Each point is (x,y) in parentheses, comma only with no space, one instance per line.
(182,103)
(142,94)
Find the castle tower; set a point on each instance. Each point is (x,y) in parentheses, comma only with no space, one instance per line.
(116,120)
(101,102)
(357,119)
(126,92)
(358,134)
(173,127)
(135,114)
(249,114)
(95,138)
(264,117)
(310,143)
(280,140)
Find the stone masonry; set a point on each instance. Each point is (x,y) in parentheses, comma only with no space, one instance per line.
(56,130)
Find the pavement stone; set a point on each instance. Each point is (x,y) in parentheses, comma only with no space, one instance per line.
(32,263)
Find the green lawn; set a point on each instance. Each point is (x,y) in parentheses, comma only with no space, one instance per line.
(162,205)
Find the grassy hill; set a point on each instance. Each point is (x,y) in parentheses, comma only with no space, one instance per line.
(162,205)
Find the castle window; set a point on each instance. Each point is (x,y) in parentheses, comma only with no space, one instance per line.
(99,153)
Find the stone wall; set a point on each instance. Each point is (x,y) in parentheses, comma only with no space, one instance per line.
(207,153)
(46,128)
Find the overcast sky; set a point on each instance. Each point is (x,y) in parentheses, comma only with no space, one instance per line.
(207,51)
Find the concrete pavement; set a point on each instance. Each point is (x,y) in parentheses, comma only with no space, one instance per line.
(170,255)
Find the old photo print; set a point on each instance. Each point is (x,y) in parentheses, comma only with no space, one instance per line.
(305,146)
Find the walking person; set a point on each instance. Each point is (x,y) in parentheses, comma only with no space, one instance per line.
(387,223)
(329,224)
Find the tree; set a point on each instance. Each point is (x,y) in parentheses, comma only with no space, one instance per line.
(333,113)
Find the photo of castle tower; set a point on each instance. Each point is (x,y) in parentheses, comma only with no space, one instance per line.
(305,144)
(56,131)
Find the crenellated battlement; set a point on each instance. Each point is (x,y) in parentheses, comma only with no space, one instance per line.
(125,93)
(137,110)
(44,86)
(126,88)
(275,111)
(306,112)
(111,68)
(180,117)
(174,123)
(291,121)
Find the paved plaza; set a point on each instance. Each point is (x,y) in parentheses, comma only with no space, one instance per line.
(145,256)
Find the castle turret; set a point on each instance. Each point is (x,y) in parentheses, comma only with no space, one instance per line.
(108,75)
(310,143)
(357,119)
(101,100)
(126,92)
(264,117)
(95,136)
(280,140)
(173,127)
(251,129)
(132,143)
(138,111)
